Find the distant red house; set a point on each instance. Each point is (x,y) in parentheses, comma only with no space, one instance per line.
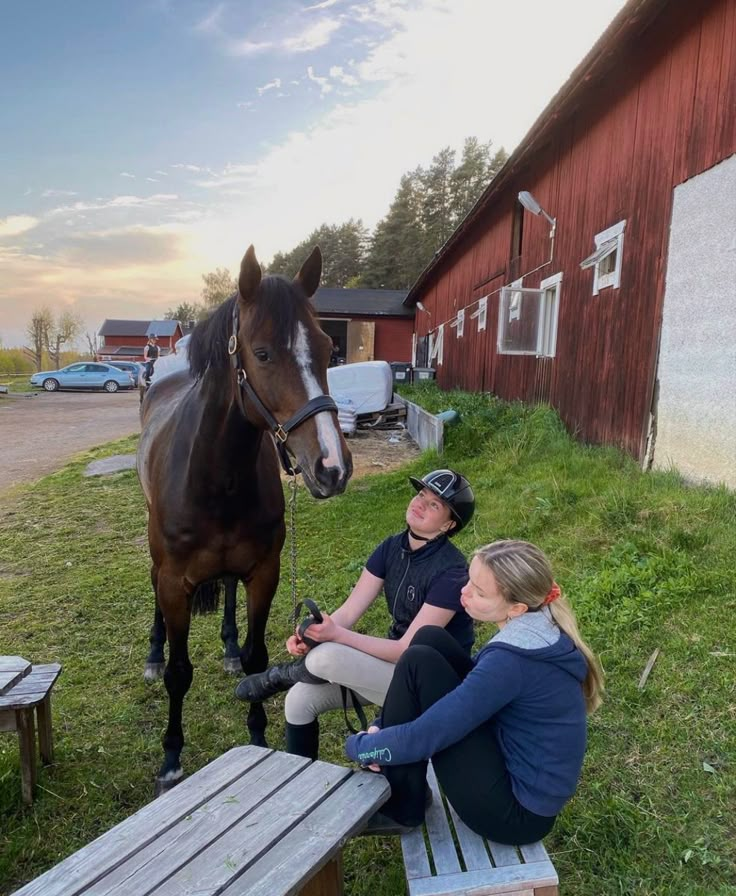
(124,340)
(367,324)
(595,273)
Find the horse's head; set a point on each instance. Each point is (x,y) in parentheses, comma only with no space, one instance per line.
(282,356)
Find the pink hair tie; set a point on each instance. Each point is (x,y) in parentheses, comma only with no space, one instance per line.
(553,593)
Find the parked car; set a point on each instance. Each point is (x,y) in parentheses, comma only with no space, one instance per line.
(84,375)
(132,367)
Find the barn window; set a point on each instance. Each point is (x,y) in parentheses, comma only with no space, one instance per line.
(481,313)
(437,345)
(527,319)
(549,309)
(459,323)
(606,260)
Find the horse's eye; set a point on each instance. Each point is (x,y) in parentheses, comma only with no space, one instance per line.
(262,354)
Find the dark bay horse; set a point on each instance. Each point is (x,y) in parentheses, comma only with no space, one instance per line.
(209,468)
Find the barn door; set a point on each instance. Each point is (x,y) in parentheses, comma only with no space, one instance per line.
(360,340)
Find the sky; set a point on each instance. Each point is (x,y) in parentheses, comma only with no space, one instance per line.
(144,143)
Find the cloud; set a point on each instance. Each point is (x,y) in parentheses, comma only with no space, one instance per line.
(326,4)
(117,202)
(211,22)
(138,246)
(127,174)
(47,193)
(15,224)
(318,35)
(312,38)
(248,104)
(339,74)
(271,84)
(162,173)
(324,86)
(185,167)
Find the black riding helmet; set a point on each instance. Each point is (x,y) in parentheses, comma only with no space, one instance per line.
(454,490)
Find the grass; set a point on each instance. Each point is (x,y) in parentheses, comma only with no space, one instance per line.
(646,559)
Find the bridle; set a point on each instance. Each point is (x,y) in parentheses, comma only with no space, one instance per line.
(280,431)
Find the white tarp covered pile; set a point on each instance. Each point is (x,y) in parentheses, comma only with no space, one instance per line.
(177,360)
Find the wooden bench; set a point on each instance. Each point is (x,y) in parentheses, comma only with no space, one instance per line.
(254,821)
(23,689)
(468,864)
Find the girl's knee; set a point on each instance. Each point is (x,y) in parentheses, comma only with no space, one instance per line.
(430,636)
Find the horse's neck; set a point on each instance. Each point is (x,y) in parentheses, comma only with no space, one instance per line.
(223,440)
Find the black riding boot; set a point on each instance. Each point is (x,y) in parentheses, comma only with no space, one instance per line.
(303,740)
(263,685)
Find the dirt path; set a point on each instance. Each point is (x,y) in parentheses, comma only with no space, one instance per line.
(40,433)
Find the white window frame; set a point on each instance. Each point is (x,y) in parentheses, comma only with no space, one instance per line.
(459,323)
(437,346)
(515,311)
(606,243)
(549,312)
(481,313)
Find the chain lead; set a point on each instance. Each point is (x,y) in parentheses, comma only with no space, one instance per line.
(292,538)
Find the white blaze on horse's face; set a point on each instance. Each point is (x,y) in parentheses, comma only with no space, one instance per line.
(327,430)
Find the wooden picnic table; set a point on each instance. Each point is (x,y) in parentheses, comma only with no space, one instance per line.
(12,669)
(25,696)
(254,822)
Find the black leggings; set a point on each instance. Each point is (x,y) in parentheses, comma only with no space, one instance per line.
(472,771)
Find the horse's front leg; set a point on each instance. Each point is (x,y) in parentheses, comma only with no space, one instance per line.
(229,630)
(254,655)
(157,638)
(175,606)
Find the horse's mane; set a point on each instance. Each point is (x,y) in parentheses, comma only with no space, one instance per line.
(277,301)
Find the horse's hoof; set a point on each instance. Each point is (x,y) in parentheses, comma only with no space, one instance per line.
(162,785)
(258,739)
(153,672)
(232,665)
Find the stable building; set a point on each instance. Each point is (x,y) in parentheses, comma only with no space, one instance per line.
(597,271)
(124,340)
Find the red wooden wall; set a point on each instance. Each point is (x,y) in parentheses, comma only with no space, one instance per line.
(666,112)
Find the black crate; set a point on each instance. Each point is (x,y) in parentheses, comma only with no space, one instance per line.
(401,372)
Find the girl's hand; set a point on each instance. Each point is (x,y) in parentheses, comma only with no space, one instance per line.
(374,767)
(296,646)
(327,630)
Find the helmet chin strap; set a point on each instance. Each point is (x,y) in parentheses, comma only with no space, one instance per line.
(423,537)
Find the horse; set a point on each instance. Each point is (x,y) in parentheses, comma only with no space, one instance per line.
(209,469)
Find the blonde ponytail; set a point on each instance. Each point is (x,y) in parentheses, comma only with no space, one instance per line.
(524,575)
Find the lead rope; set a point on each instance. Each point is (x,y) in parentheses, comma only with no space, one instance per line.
(292,539)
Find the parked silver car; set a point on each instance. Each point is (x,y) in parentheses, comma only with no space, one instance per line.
(84,375)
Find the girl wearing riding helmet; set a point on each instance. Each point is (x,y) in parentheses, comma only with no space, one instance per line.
(506,730)
(421,574)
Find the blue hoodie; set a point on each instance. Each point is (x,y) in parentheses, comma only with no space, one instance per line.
(527,679)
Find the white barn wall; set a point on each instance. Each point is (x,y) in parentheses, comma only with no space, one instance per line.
(696,413)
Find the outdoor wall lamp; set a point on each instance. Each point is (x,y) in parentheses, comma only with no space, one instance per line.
(531,205)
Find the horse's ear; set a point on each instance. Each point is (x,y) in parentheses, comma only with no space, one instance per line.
(250,274)
(310,272)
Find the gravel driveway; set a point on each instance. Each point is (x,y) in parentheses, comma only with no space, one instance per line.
(39,433)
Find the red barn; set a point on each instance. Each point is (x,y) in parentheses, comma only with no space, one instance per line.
(623,314)
(124,340)
(367,324)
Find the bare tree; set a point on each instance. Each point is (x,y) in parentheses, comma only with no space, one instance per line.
(92,343)
(38,331)
(64,330)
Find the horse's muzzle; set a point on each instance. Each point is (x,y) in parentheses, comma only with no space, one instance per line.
(323,481)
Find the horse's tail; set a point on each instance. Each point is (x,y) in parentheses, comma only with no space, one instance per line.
(206,597)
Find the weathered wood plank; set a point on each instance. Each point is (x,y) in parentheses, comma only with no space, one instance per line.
(287,865)
(534,852)
(475,854)
(503,854)
(443,849)
(45,734)
(12,670)
(414,849)
(152,865)
(488,883)
(89,864)
(224,860)
(27,739)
